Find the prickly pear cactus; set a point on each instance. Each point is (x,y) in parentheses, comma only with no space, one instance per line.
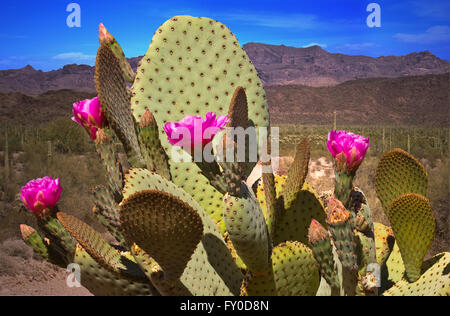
(193,66)
(185,228)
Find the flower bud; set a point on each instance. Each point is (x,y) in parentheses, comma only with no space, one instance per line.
(337,213)
(316,232)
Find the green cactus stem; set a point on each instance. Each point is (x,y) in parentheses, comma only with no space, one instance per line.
(60,239)
(322,248)
(154,155)
(32,238)
(343,186)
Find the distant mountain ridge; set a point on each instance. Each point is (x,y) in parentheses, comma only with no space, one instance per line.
(314,66)
(410,100)
(276,65)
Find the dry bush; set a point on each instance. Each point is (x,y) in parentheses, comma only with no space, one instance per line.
(78,175)
(8,265)
(439,195)
(17,248)
(365,180)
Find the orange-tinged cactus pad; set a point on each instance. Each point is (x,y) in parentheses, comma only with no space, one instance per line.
(384,242)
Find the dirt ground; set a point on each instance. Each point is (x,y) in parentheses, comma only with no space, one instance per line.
(23,274)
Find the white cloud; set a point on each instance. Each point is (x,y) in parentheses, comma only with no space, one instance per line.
(435,34)
(315,44)
(74,57)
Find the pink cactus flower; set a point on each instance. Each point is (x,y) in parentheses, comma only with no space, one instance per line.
(347,149)
(194,131)
(40,194)
(89,114)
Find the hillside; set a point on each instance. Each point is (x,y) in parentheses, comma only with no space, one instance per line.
(413,100)
(15,106)
(314,66)
(421,100)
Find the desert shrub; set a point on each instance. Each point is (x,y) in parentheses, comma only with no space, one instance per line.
(67,137)
(8,266)
(17,248)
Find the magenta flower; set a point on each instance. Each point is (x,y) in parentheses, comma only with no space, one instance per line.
(40,194)
(89,114)
(347,149)
(194,131)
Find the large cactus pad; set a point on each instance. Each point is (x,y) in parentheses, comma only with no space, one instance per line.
(413,223)
(398,173)
(192,67)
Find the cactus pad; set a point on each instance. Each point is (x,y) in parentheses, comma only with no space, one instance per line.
(398,173)
(163,226)
(211,270)
(192,67)
(435,280)
(413,224)
(115,101)
(296,174)
(394,265)
(384,242)
(154,155)
(103,253)
(296,272)
(247,230)
(261,195)
(106,206)
(106,38)
(341,229)
(322,248)
(293,223)
(103,282)
(260,284)
(32,238)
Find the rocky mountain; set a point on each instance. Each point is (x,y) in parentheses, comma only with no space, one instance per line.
(314,66)
(31,81)
(276,65)
(411,100)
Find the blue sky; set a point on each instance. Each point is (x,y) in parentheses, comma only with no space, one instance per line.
(35,32)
